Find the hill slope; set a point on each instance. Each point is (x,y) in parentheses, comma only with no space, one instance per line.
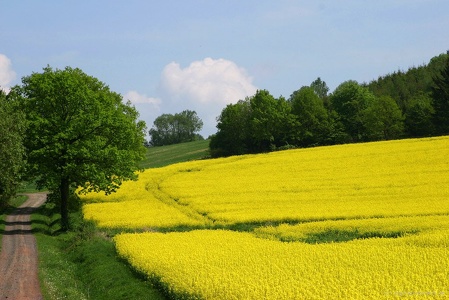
(166,155)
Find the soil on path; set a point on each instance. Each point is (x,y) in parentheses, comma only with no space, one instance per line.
(18,256)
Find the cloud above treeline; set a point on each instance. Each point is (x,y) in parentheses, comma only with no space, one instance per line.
(207,81)
(7,75)
(205,86)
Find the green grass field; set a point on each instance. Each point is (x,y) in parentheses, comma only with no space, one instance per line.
(166,155)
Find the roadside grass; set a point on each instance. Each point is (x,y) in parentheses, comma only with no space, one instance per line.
(166,155)
(83,263)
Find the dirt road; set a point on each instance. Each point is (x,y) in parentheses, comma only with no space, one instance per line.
(18,256)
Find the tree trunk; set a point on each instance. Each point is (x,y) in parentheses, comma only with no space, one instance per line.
(65,190)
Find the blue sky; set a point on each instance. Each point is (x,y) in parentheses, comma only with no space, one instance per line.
(167,56)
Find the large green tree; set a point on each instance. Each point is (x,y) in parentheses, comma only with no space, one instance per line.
(12,126)
(79,135)
(312,116)
(349,101)
(233,135)
(271,122)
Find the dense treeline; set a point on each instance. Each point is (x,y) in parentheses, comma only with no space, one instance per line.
(399,105)
(414,94)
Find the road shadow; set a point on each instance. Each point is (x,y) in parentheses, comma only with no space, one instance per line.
(33,226)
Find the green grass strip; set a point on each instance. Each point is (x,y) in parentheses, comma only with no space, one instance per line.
(166,155)
(83,264)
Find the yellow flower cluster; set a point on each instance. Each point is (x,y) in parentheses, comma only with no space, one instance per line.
(218,264)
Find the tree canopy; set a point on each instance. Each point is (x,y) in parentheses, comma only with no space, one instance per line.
(12,127)
(349,100)
(312,116)
(79,133)
(171,129)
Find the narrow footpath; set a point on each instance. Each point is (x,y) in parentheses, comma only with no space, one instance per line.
(18,256)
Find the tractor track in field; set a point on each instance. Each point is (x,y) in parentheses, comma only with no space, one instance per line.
(18,254)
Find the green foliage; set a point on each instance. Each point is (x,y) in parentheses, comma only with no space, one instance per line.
(419,116)
(349,100)
(233,135)
(260,123)
(383,119)
(171,129)
(79,133)
(320,88)
(440,95)
(166,155)
(271,122)
(403,87)
(12,152)
(312,116)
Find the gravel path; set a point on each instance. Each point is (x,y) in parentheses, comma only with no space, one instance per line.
(18,256)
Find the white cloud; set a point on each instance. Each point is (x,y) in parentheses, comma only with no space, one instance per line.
(208,81)
(137,98)
(7,75)
(206,87)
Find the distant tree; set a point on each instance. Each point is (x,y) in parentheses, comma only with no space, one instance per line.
(174,129)
(79,134)
(383,119)
(312,117)
(12,128)
(418,118)
(349,101)
(189,125)
(163,131)
(440,96)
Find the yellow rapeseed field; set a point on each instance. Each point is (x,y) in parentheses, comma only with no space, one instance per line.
(217,264)
(362,221)
(405,177)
